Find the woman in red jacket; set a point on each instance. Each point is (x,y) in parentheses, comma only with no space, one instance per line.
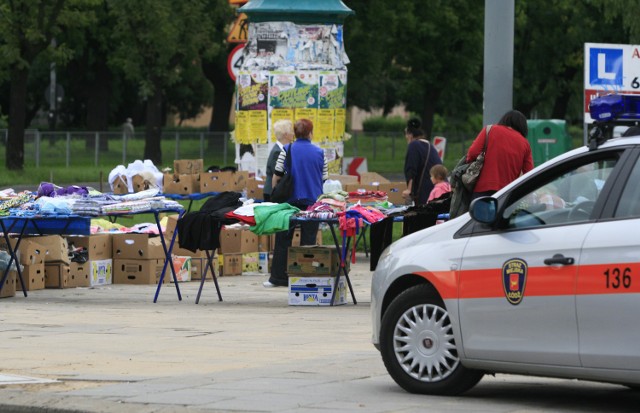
(508,154)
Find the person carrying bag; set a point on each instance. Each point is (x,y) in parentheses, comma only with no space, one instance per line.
(284,188)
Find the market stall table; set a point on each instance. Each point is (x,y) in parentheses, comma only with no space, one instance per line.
(76,225)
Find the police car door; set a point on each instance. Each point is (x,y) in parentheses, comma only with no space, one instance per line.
(517,280)
(608,289)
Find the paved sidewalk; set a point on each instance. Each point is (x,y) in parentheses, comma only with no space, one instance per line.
(111,349)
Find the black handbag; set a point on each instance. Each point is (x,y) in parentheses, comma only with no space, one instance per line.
(284,188)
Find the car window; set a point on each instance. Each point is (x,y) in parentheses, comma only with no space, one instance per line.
(564,198)
(629,205)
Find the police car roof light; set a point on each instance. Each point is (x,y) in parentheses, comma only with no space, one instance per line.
(615,107)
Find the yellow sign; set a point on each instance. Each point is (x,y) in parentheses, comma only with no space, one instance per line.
(239,30)
(238,1)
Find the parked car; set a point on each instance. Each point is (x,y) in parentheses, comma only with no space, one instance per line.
(541,279)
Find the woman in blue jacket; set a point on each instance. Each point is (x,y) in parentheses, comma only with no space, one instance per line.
(309,171)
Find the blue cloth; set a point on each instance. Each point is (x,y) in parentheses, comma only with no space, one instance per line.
(307,167)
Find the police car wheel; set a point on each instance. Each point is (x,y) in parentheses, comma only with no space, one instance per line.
(418,347)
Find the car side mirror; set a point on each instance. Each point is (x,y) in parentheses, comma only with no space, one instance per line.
(484,210)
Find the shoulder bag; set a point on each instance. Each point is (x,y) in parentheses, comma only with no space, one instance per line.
(284,188)
(472,172)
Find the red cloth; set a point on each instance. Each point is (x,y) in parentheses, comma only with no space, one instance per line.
(242,218)
(508,156)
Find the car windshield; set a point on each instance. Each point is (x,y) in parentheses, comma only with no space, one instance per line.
(565,198)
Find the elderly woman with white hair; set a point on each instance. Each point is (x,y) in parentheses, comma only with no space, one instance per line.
(283,130)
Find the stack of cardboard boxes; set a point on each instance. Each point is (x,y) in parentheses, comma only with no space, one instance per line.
(312,273)
(57,270)
(185,178)
(238,252)
(137,259)
(31,257)
(98,269)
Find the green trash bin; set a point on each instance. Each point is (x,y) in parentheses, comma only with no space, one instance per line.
(548,138)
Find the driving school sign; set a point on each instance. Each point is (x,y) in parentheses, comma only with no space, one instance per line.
(610,68)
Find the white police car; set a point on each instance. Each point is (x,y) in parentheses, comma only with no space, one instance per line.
(543,278)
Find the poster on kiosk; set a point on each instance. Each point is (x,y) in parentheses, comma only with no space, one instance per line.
(291,71)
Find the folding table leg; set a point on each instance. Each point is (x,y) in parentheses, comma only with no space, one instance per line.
(12,253)
(343,267)
(209,265)
(167,258)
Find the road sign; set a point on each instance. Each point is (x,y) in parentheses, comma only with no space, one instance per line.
(238,1)
(440,144)
(235,60)
(238,33)
(610,68)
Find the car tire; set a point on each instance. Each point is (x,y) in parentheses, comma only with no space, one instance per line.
(418,346)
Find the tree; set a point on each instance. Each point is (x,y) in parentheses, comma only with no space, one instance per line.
(28,28)
(426,55)
(156,40)
(549,54)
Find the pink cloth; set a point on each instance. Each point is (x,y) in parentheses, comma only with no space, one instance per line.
(438,190)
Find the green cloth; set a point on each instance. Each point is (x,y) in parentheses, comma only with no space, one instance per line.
(272,218)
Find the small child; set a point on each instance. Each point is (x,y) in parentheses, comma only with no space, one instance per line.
(439,178)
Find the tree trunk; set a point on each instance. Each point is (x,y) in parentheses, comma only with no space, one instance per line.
(152,149)
(98,105)
(222,98)
(18,97)
(428,111)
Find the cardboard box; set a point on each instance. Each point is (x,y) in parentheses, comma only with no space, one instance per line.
(33,277)
(188,166)
(98,246)
(181,184)
(137,246)
(360,187)
(137,271)
(229,264)
(238,241)
(372,178)
(316,291)
(57,275)
(344,179)
(313,260)
(197,268)
(264,243)
(29,252)
(394,192)
(255,189)
(101,272)
(182,268)
(170,225)
(297,234)
(9,287)
(250,262)
(263,263)
(224,181)
(79,274)
(120,186)
(56,249)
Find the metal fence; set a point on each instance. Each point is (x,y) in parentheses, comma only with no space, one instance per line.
(107,149)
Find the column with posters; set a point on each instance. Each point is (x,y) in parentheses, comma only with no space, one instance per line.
(304,68)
